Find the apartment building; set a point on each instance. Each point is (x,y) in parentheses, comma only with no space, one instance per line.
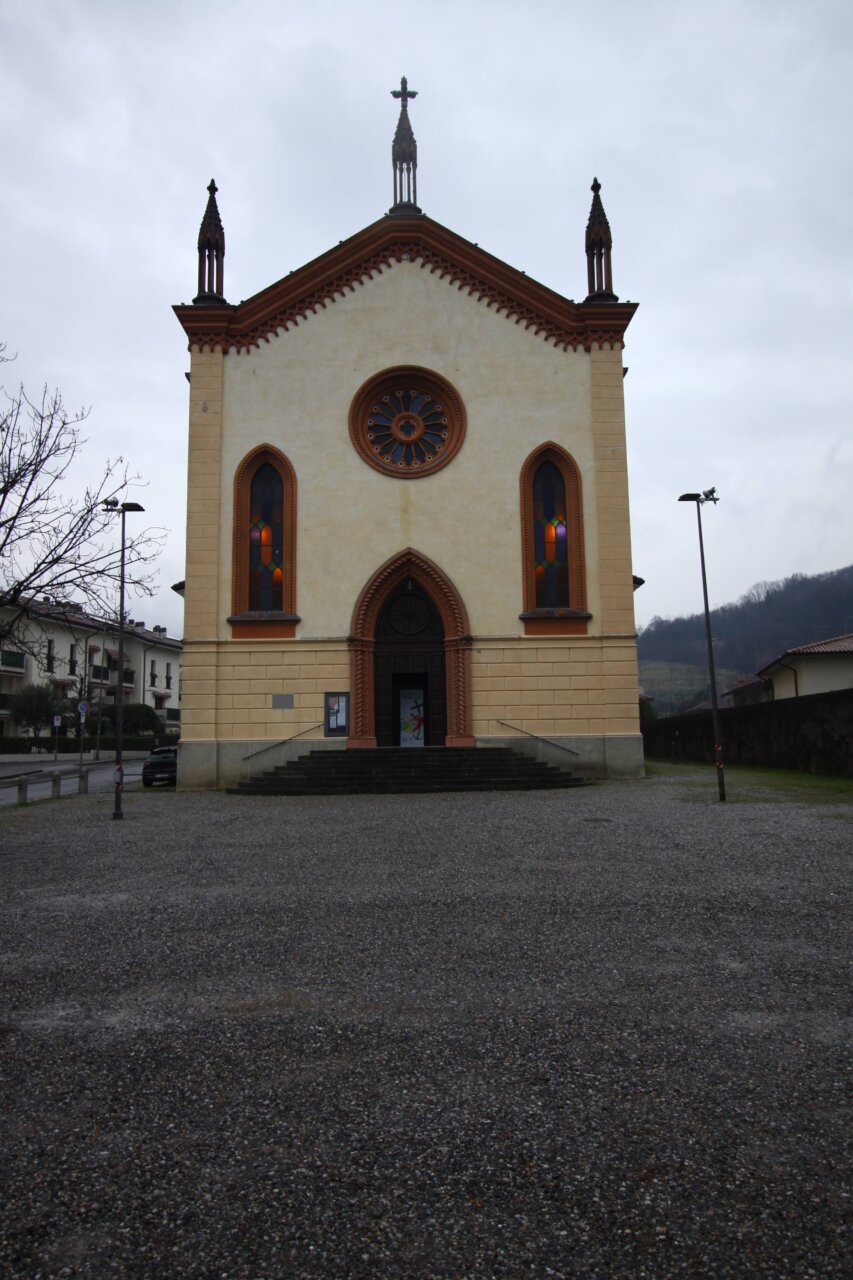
(58,643)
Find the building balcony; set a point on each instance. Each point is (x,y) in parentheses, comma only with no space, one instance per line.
(128,681)
(107,679)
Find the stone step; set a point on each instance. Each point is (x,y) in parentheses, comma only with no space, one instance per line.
(390,770)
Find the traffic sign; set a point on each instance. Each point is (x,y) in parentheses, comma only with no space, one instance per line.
(82,707)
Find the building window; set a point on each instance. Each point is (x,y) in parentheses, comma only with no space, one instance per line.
(152,678)
(50,660)
(168,675)
(407,422)
(266,539)
(72,660)
(553,564)
(264,546)
(550,538)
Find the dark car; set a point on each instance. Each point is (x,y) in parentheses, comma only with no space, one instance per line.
(161,766)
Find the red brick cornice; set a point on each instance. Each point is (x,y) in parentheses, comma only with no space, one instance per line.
(435,249)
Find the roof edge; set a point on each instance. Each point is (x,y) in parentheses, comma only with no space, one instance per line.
(414,238)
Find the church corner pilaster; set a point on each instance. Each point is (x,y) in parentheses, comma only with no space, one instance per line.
(615,580)
(202,608)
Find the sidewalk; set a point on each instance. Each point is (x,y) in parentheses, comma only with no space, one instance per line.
(15,762)
(12,765)
(593,1033)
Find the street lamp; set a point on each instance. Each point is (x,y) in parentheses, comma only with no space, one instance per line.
(709,495)
(112,504)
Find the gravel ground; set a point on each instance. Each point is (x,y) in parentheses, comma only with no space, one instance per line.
(557,1034)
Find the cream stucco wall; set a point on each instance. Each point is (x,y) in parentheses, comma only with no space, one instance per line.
(518,390)
(816,673)
(294,393)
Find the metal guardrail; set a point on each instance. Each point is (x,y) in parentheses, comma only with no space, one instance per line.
(38,777)
(517,727)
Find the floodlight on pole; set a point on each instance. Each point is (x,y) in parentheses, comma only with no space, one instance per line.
(112,504)
(709,495)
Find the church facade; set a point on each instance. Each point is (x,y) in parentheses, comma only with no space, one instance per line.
(408,516)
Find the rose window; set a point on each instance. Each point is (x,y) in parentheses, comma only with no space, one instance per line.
(407,422)
(409,614)
(407,428)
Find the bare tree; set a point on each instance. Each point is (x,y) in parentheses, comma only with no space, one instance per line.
(54,542)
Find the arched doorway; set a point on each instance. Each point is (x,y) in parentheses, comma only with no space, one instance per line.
(410,636)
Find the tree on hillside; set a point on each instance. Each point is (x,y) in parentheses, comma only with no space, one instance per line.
(768,619)
(54,542)
(34,707)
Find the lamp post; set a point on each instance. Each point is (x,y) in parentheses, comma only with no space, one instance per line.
(112,504)
(709,495)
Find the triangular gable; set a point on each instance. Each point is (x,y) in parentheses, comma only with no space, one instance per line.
(434,248)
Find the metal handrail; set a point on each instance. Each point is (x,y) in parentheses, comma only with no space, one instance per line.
(282,741)
(538,737)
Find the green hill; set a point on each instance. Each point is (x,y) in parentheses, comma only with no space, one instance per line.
(675,686)
(770,618)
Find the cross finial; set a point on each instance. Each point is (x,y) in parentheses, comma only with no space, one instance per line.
(212,187)
(404,155)
(404,92)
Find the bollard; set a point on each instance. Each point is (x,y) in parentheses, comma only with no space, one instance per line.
(55,786)
(83,782)
(22,791)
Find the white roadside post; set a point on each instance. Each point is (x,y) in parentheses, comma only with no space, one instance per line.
(82,708)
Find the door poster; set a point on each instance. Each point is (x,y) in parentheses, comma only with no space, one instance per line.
(411,717)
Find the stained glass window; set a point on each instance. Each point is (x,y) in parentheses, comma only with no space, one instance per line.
(407,428)
(407,422)
(550,540)
(266,540)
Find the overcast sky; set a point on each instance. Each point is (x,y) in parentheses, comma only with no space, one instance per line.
(720,133)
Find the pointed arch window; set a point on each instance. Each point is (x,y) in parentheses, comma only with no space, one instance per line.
(264,546)
(553,562)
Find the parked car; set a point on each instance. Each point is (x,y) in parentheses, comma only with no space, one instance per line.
(161,766)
